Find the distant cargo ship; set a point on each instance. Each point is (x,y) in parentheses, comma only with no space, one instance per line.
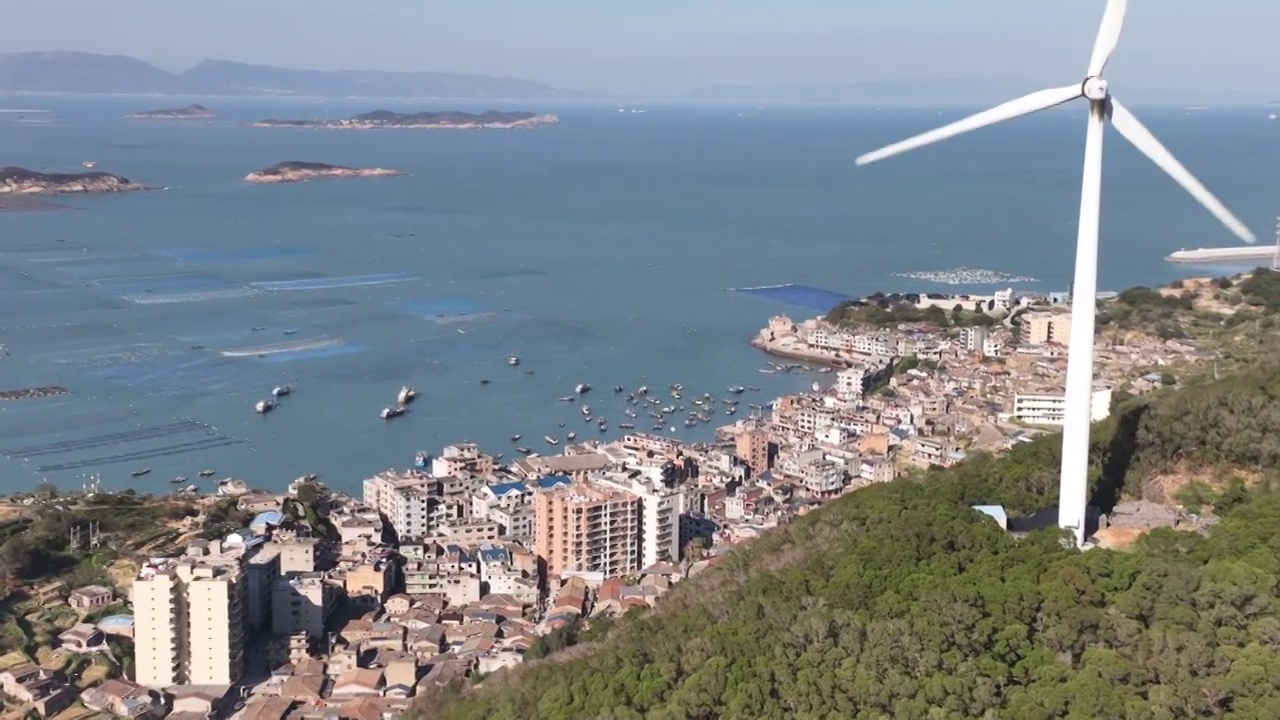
(1227,254)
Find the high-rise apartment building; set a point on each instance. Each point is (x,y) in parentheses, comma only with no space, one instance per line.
(660,510)
(189,622)
(413,502)
(1041,328)
(583,528)
(753,447)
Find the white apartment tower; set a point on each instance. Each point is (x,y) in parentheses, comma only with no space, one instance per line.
(189,623)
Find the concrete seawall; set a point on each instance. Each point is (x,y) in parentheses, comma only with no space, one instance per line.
(792,354)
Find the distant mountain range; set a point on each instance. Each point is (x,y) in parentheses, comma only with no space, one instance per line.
(87,73)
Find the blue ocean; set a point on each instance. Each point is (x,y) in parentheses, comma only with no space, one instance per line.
(597,250)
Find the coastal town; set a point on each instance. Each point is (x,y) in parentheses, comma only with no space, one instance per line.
(312,603)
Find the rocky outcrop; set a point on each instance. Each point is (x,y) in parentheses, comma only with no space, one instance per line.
(20,181)
(304,171)
(190,112)
(378,119)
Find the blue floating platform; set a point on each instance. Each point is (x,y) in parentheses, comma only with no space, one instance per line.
(803,296)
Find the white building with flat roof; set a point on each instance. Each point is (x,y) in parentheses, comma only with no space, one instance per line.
(1050,408)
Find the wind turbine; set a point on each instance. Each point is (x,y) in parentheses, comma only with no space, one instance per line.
(1073,488)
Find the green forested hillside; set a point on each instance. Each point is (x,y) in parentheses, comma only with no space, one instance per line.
(898,601)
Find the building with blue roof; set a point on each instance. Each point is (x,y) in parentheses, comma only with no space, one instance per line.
(265,518)
(552,481)
(502,489)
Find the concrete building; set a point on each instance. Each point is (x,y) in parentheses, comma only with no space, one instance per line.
(660,510)
(412,502)
(585,529)
(1050,408)
(189,622)
(1041,328)
(460,459)
(752,446)
(302,603)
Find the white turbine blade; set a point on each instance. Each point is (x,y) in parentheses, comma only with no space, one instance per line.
(1135,132)
(1108,35)
(1035,102)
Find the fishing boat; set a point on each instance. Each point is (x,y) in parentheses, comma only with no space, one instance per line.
(516,437)
(753,388)
(550,440)
(406,395)
(523,450)
(392,412)
(618,388)
(735,389)
(568,398)
(627,426)
(642,390)
(281,390)
(178,480)
(140,473)
(422,459)
(582,388)
(571,436)
(262,407)
(586,409)
(205,473)
(513,361)
(816,387)
(484,382)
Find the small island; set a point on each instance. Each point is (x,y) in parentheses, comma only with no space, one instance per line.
(451,119)
(294,171)
(190,112)
(21,181)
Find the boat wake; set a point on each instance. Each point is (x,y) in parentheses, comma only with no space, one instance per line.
(965,275)
(294,346)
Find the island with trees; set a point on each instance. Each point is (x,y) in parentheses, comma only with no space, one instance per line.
(900,600)
(295,171)
(21,181)
(190,112)
(450,119)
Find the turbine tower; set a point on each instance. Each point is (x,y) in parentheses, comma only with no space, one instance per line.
(1074,488)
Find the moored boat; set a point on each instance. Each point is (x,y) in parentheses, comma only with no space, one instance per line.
(550,440)
(582,388)
(392,412)
(513,361)
(406,395)
(281,390)
(422,459)
(141,472)
(262,407)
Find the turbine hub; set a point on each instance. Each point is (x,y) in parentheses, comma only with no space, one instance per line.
(1095,89)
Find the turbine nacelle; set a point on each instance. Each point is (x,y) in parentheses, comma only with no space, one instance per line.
(1095,89)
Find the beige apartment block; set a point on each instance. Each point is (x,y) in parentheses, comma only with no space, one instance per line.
(1041,328)
(189,623)
(585,529)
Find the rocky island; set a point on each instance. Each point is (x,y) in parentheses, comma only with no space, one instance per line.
(378,119)
(21,181)
(190,112)
(293,171)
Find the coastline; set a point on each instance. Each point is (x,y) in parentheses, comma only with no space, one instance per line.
(772,348)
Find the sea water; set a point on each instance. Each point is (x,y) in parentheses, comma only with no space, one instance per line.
(597,250)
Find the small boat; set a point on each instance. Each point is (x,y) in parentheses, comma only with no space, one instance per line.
(767,371)
(735,389)
(281,390)
(498,456)
(676,394)
(816,387)
(516,437)
(571,436)
(582,388)
(642,390)
(528,372)
(513,361)
(392,412)
(627,426)
(262,407)
(206,473)
(731,411)
(568,398)
(604,428)
(550,440)
(309,477)
(753,388)
(289,332)
(421,459)
(690,422)
(561,424)
(140,473)
(586,419)
(178,480)
(89,163)
(523,450)
(677,387)
(484,382)
(190,488)
(618,388)
(406,395)
(586,409)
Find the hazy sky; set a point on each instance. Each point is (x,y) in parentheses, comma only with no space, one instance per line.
(669,46)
